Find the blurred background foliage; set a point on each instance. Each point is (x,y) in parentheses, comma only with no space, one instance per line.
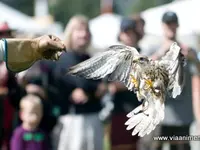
(141,5)
(62,10)
(25,6)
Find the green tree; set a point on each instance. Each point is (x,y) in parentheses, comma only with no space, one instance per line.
(62,10)
(25,6)
(141,5)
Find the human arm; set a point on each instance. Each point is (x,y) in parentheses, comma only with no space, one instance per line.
(20,54)
(192,56)
(102,88)
(114,87)
(195,86)
(196,98)
(157,53)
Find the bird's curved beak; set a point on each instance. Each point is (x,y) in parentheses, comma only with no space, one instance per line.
(135,60)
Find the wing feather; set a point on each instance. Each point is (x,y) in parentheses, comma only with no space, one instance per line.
(144,122)
(173,52)
(175,61)
(115,63)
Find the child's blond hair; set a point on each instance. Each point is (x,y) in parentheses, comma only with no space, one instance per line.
(30,98)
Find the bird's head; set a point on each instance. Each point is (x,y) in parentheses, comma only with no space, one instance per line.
(141,59)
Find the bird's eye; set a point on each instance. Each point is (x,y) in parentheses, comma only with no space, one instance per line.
(142,58)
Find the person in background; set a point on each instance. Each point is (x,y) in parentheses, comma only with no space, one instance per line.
(179,112)
(35,86)
(48,121)
(44,47)
(124,100)
(7,85)
(28,136)
(140,23)
(81,126)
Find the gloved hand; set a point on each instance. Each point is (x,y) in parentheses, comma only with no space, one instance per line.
(20,54)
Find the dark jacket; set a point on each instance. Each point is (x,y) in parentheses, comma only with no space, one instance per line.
(68,83)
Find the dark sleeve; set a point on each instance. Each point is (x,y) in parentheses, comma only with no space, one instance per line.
(193,68)
(17,141)
(70,82)
(48,120)
(88,85)
(15,91)
(62,80)
(46,144)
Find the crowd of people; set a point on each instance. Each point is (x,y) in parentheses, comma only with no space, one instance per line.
(45,109)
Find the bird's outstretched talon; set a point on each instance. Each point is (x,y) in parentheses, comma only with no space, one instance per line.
(134,81)
(149,84)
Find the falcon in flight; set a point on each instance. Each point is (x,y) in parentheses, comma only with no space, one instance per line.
(150,80)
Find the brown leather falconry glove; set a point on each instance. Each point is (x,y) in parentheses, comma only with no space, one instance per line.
(20,54)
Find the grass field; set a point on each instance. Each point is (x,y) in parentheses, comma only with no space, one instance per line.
(106,137)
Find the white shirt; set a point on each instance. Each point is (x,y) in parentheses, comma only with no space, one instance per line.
(2,50)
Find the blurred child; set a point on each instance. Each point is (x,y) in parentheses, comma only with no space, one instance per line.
(28,136)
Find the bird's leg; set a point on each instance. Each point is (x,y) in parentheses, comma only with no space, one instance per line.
(142,96)
(134,81)
(149,84)
(136,88)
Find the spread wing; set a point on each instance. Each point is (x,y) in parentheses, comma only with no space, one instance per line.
(175,61)
(115,63)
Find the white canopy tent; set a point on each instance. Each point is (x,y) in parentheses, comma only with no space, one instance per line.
(187,10)
(18,20)
(104,30)
(189,28)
